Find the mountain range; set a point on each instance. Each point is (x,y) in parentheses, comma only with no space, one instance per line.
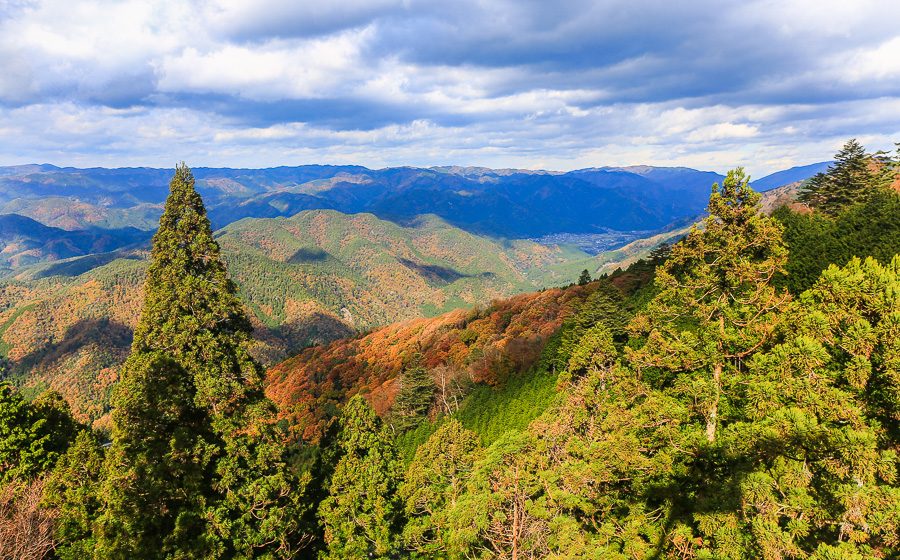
(504,203)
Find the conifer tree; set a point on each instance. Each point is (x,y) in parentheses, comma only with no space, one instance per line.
(584,278)
(813,458)
(503,514)
(716,304)
(195,468)
(73,490)
(361,514)
(415,396)
(604,307)
(158,475)
(846,182)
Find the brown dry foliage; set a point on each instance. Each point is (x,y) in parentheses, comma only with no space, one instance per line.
(26,528)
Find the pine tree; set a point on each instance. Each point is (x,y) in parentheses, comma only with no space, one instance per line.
(195,468)
(716,304)
(848,181)
(585,277)
(503,514)
(360,515)
(434,482)
(813,460)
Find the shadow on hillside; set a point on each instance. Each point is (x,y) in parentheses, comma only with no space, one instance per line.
(435,274)
(308,255)
(80,265)
(111,337)
(290,338)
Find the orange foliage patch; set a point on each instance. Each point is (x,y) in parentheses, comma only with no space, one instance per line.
(487,345)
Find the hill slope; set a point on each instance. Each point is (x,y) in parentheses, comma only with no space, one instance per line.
(308,279)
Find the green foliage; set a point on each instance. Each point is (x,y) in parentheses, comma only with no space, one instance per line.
(32,435)
(434,481)
(716,304)
(605,306)
(584,278)
(191,310)
(801,460)
(815,240)
(159,462)
(812,452)
(492,411)
(73,490)
(850,180)
(361,514)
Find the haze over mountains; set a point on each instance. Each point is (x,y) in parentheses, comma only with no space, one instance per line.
(505,203)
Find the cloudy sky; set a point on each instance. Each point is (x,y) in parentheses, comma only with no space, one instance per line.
(553,84)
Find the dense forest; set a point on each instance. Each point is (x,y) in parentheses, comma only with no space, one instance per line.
(735,395)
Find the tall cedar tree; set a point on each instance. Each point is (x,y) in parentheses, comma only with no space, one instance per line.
(848,181)
(361,513)
(73,490)
(196,469)
(716,304)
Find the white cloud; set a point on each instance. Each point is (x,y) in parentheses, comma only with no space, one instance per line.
(574,83)
(278,70)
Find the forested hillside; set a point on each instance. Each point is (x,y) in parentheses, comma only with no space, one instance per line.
(734,395)
(308,279)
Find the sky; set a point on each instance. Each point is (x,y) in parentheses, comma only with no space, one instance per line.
(561,84)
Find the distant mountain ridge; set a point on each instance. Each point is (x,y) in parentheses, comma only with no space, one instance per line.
(503,203)
(788,176)
(25,241)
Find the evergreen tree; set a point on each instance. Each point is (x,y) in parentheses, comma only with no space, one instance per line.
(504,512)
(415,396)
(848,181)
(157,470)
(606,455)
(361,515)
(585,277)
(192,312)
(593,353)
(814,240)
(195,468)
(434,482)
(605,306)
(716,304)
(812,460)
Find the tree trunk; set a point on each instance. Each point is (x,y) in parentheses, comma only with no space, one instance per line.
(713,415)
